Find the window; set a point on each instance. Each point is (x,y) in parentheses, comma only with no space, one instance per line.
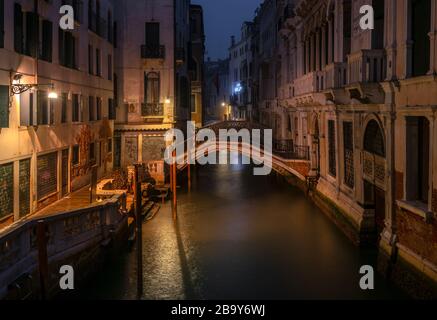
(47,175)
(75,156)
(90,59)
(27,108)
(75,108)
(32,31)
(332,149)
(92,154)
(51,112)
(47,41)
(152,88)
(91,108)
(18,29)
(43,108)
(4,106)
(111,109)
(374,139)
(152,35)
(109,67)
(98,70)
(98,109)
(349,174)
(418,152)
(193,103)
(64,106)
(67,49)
(7,190)
(109,145)
(2,23)
(420,28)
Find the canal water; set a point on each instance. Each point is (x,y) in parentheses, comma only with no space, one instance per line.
(240,236)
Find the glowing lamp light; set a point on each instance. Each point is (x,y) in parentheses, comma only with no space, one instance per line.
(53,95)
(223,104)
(238,88)
(167,101)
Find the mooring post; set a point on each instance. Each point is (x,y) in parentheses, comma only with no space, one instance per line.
(175,202)
(43,260)
(139,225)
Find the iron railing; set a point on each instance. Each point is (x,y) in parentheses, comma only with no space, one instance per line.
(288,150)
(152,110)
(152,52)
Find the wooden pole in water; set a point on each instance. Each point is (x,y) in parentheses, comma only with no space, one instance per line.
(139,227)
(189,176)
(43,261)
(175,201)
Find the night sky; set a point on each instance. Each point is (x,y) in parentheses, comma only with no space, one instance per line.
(223,18)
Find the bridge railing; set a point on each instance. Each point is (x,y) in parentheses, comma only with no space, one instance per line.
(66,234)
(286,149)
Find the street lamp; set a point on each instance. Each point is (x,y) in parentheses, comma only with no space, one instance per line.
(18,88)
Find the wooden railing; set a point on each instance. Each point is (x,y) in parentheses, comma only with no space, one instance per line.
(67,234)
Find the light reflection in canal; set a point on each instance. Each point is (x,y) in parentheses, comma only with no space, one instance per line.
(240,237)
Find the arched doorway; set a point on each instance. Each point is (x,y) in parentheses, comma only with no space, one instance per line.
(374,166)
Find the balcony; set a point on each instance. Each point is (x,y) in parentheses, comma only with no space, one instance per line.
(367,66)
(152,52)
(152,110)
(286,149)
(335,75)
(308,83)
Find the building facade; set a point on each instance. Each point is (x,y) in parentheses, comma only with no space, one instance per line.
(50,146)
(240,71)
(364,103)
(196,64)
(154,89)
(217,93)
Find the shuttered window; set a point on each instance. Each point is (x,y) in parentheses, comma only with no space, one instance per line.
(18,29)
(75,108)
(32,31)
(349,174)
(43,108)
(152,35)
(47,175)
(332,149)
(47,40)
(4,106)
(7,190)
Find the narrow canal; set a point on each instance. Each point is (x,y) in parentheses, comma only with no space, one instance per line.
(240,236)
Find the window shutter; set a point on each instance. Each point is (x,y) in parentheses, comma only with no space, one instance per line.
(61,43)
(18,28)
(2,23)
(27,108)
(4,106)
(32,31)
(152,35)
(47,40)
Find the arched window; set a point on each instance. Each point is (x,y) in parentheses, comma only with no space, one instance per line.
(374,139)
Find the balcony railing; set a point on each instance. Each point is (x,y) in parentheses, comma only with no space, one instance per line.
(335,75)
(152,52)
(288,150)
(152,110)
(367,66)
(307,83)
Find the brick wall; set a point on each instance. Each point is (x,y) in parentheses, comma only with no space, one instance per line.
(6,190)
(302,167)
(417,235)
